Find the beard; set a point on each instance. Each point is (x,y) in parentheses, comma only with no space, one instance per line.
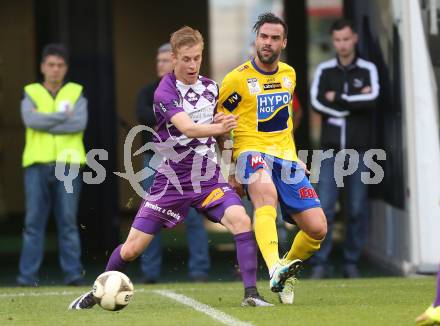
(267,60)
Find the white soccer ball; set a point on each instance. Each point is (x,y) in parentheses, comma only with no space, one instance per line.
(113,290)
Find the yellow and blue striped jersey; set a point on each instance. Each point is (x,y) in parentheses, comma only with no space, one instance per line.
(263,101)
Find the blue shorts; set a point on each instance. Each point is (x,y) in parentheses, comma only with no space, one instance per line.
(295,192)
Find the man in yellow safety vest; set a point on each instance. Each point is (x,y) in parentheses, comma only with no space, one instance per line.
(55,116)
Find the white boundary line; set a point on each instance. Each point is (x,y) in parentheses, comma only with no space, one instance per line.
(196,305)
(51,293)
(201,307)
(38,294)
(65,293)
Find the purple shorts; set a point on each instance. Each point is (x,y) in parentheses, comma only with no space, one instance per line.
(165,209)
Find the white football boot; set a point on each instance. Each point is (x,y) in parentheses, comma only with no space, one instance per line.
(287,295)
(84,301)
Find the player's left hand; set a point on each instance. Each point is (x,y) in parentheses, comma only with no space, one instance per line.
(218,118)
(366,90)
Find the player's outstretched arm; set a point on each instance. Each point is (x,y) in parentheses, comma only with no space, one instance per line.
(221,140)
(190,129)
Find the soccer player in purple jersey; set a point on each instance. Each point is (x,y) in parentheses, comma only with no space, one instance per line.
(431,316)
(184,105)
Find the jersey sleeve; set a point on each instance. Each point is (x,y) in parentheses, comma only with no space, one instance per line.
(294,79)
(320,86)
(167,103)
(230,94)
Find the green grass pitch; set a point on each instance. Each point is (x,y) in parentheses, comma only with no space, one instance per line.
(373,301)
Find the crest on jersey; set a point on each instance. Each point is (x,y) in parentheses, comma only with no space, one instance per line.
(287,83)
(254,86)
(192,96)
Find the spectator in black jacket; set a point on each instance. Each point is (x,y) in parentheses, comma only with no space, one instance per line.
(144,104)
(344,92)
(151,259)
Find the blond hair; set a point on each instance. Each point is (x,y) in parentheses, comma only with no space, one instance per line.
(185,36)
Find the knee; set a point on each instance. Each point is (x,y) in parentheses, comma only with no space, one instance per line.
(34,225)
(68,230)
(240,224)
(30,231)
(130,251)
(319,229)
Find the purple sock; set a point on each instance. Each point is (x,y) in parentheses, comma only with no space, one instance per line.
(437,295)
(247,257)
(115,262)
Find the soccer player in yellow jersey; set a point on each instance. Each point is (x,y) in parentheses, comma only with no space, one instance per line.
(431,316)
(260,93)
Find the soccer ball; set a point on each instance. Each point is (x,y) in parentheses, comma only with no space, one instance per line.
(113,290)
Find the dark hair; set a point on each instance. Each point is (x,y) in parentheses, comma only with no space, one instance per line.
(56,49)
(269,18)
(341,24)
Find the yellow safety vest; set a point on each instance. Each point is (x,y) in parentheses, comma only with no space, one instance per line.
(44,147)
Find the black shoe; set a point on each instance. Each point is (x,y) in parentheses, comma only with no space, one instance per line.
(319,272)
(351,271)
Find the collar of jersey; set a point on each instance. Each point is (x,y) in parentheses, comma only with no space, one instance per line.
(350,66)
(262,71)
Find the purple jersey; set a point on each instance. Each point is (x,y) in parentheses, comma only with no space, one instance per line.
(197,100)
(189,174)
(185,159)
